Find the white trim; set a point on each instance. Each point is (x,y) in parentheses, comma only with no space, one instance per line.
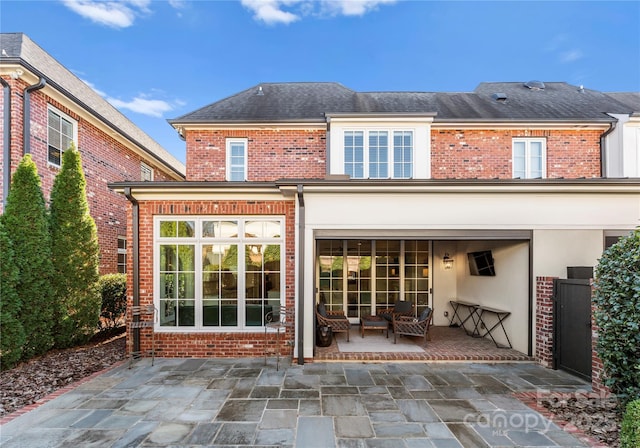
(527,157)
(149,169)
(73,122)
(228,166)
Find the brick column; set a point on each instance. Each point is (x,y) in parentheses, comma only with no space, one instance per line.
(597,367)
(544,321)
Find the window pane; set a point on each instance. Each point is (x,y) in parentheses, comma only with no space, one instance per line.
(54,155)
(186,258)
(54,120)
(168,310)
(186,229)
(186,313)
(354,153)
(168,229)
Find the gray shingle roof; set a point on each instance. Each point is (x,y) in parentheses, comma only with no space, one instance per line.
(630,99)
(295,102)
(19,48)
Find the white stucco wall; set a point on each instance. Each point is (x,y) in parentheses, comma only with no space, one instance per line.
(555,249)
(567,230)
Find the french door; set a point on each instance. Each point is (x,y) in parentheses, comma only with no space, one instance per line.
(362,276)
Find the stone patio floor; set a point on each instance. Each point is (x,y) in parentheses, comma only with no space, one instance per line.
(242,402)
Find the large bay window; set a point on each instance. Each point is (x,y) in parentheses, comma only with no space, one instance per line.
(370,155)
(214,272)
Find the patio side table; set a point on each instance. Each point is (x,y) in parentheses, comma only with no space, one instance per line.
(374,323)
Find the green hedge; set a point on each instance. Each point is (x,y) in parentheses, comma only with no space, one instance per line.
(617,315)
(113,290)
(25,221)
(630,431)
(12,338)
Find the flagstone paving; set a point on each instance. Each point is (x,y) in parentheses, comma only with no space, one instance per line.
(232,402)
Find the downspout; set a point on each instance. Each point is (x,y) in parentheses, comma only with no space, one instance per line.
(6,141)
(300,304)
(27,113)
(135,223)
(603,158)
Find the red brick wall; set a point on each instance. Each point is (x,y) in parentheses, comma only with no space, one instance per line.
(597,367)
(218,344)
(455,154)
(544,321)
(485,154)
(104,160)
(272,154)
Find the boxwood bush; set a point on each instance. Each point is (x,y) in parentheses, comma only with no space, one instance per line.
(113,289)
(630,430)
(617,315)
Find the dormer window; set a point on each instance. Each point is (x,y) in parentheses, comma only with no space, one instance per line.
(367,154)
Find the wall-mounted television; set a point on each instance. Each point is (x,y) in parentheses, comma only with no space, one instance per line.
(481,263)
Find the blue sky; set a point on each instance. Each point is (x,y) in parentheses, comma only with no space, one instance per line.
(156,60)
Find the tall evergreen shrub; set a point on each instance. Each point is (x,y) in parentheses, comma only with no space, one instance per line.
(617,315)
(25,222)
(75,255)
(12,338)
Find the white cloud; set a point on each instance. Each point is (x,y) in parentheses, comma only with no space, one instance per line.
(571,56)
(90,84)
(116,14)
(270,11)
(141,105)
(288,11)
(178,4)
(355,7)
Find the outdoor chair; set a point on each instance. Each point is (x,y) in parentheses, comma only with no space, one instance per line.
(409,326)
(279,320)
(142,317)
(400,308)
(334,319)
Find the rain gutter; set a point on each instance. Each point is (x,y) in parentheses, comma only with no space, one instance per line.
(27,113)
(6,141)
(135,222)
(300,304)
(603,149)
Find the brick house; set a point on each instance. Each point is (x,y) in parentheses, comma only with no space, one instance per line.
(301,192)
(48,104)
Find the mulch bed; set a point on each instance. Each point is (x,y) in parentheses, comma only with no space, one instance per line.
(33,380)
(590,417)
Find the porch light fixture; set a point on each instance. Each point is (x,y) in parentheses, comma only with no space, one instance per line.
(447,261)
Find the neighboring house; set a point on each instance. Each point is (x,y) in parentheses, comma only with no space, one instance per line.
(45,107)
(301,192)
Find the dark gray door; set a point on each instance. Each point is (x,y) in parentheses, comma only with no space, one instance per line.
(572,321)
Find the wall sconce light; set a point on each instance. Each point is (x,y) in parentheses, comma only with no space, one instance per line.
(425,272)
(447,261)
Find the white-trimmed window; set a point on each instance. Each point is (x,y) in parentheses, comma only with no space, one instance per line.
(237,159)
(62,130)
(217,273)
(146,172)
(370,154)
(529,158)
(122,254)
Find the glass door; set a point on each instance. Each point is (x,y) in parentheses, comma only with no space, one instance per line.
(360,277)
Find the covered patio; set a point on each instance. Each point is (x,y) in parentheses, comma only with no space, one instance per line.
(446,344)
